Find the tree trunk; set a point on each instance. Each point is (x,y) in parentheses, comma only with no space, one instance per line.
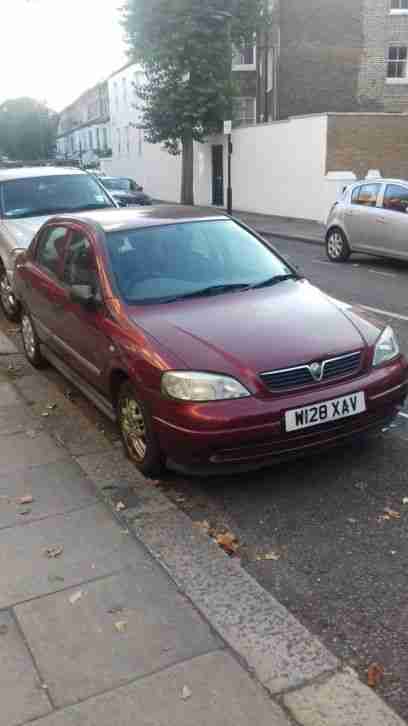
(187,173)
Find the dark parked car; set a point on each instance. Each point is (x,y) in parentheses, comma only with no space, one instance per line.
(206,346)
(126,192)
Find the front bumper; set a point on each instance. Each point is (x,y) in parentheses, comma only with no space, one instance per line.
(250,432)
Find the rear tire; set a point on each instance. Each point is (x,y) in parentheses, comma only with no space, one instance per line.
(137,431)
(9,304)
(31,342)
(337,247)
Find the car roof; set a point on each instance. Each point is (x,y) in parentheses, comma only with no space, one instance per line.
(112,220)
(379,180)
(31,172)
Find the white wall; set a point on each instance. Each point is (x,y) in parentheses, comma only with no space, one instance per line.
(277,168)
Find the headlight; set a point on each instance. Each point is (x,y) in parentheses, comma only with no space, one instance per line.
(387,347)
(195,386)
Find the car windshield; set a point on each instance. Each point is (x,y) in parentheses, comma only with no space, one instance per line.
(34,197)
(166,263)
(117,183)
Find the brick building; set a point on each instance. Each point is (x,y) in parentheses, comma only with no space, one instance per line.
(333,56)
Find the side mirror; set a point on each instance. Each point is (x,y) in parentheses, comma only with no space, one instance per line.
(83,295)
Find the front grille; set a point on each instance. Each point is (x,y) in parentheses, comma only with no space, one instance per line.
(345,365)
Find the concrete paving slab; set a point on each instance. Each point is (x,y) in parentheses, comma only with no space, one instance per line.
(279,649)
(21,451)
(15,419)
(36,388)
(7,347)
(8,395)
(222,694)
(56,488)
(341,701)
(22,697)
(78,435)
(80,652)
(94,546)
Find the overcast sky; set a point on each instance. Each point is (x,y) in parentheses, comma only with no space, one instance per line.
(53,50)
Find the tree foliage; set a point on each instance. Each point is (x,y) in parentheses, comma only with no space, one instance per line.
(185,49)
(27,129)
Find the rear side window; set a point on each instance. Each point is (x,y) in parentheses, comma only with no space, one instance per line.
(51,248)
(396,198)
(366,195)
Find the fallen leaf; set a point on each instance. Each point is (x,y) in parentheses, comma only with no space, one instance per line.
(31,433)
(26,510)
(351,520)
(27,499)
(116,609)
(3,629)
(392,514)
(405,500)
(121,626)
(374,674)
(51,406)
(45,414)
(228,542)
(75,597)
(55,578)
(186,693)
(204,526)
(269,556)
(52,552)
(120,507)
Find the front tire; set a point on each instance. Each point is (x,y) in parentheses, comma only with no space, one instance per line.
(9,304)
(138,436)
(337,247)
(31,342)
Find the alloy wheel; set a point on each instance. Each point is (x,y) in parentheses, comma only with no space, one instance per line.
(28,337)
(6,295)
(134,428)
(335,245)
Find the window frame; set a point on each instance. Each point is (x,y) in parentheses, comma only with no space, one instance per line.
(73,230)
(403,79)
(398,10)
(237,55)
(358,189)
(394,184)
(38,246)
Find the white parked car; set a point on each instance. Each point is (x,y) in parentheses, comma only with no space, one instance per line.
(28,197)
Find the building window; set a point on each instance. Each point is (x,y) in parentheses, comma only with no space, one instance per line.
(118,135)
(399,6)
(98,139)
(124,90)
(90,139)
(105,137)
(397,62)
(244,111)
(244,56)
(116,92)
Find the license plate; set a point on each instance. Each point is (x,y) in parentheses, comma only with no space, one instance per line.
(302,418)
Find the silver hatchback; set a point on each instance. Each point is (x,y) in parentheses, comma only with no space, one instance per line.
(370,217)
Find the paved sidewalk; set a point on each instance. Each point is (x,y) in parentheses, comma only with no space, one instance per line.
(300,229)
(114,608)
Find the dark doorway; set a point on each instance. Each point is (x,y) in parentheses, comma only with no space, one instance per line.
(218,176)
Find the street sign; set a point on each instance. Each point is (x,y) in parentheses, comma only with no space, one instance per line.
(227,127)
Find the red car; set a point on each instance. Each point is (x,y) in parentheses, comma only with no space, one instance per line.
(207,347)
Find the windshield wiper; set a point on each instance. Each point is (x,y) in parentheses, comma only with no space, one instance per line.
(274,280)
(35,213)
(210,290)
